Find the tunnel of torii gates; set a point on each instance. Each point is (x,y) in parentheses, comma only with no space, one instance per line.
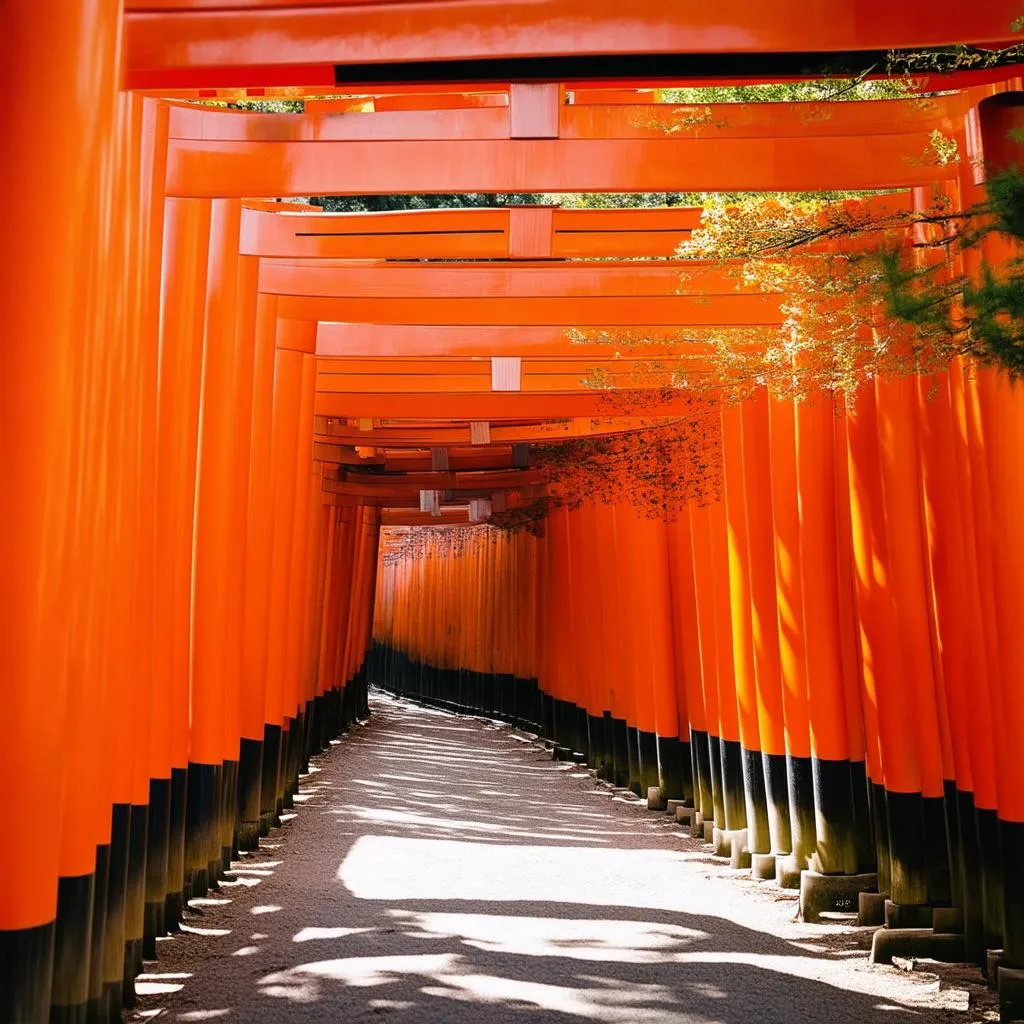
(225,417)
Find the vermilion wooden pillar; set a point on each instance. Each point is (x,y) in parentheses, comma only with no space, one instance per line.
(792,648)
(703,583)
(836,851)
(186,244)
(900,830)
(900,468)
(688,662)
(760,524)
(128,709)
(257,592)
(972,478)
(285,429)
(741,619)
(1001,404)
(966,690)
(213,528)
(730,746)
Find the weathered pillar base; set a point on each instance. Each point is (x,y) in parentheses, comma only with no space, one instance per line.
(822,894)
(902,917)
(762,865)
(871,908)
(993,961)
(915,942)
(788,871)
(656,799)
(1011,994)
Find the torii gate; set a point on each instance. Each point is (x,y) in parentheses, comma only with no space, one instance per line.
(101,411)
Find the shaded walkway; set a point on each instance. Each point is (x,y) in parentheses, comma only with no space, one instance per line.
(445,869)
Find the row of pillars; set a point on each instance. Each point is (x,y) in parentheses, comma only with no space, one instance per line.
(183,619)
(823,663)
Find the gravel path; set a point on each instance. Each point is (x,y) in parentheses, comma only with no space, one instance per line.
(444,869)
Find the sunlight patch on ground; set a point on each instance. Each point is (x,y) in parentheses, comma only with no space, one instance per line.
(377,868)
(308,934)
(601,1000)
(604,940)
(304,983)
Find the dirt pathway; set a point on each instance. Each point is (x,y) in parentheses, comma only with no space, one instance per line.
(444,869)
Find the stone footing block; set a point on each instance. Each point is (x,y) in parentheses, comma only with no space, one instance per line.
(731,843)
(993,961)
(709,832)
(1011,994)
(762,865)
(655,799)
(918,943)
(832,893)
(948,920)
(903,916)
(740,858)
(788,870)
(721,840)
(871,908)
(686,816)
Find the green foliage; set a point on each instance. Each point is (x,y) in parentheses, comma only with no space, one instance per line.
(821,90)
(995,306)
(437,201)
(982,313)
(944,60)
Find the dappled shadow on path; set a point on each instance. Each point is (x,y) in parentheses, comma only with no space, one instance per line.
(444,869)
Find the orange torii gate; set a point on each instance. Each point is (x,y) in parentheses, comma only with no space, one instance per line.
(159,349)
(471,234)
(177,44)
(557,148)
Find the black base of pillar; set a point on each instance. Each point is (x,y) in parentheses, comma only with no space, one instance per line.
(733,794)
(201,812)
(250,777)
(72,939)
(113,995)
(991,875)
(620,752)
(670,767)
(971,898)
(60,1014)
(97,1011)
(803,830)
(157,850)
(174,906)
(132,967)
(101,887)
(758,834)
(864,825)
(135,906)
(717,786)
(880,818)
(647,749)
(776,791)
(176,849)
(836,852)
(908,851)
(633,759)
(26,973)
(1011,834)
(937,839)
(114,925)
(702,788)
